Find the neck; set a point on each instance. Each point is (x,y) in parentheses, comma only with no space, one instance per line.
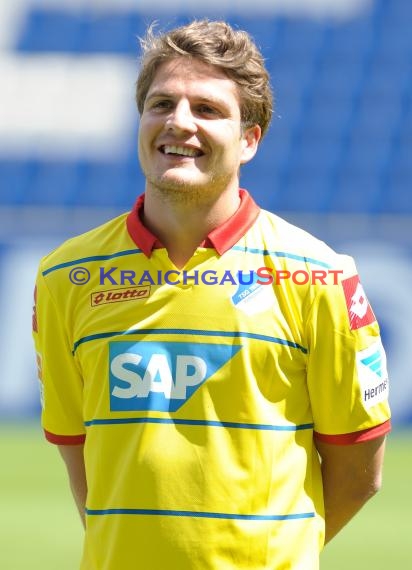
(182,226)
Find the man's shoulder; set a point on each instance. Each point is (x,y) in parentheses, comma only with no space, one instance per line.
(105,239)
(293,242)
(280,232)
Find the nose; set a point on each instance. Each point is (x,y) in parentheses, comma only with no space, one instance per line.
(181,118)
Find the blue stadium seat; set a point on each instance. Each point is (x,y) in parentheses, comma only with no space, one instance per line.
(327,118)
(50,31)
(351,40)
(392,13)
(314,154)
(386,79)
(267,31)
(106,185)
(274,149)
(355,191)
(112,33)
(86,32)
(396,197)
(376,118)
(264,187)
(15,176)
(338,79)
(341,135)
(302,190)
(53,184)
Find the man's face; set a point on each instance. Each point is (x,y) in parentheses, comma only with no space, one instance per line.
(190,139)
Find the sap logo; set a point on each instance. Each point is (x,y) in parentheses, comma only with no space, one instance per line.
(161,376)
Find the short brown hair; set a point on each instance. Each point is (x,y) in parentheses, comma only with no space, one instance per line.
(218,44)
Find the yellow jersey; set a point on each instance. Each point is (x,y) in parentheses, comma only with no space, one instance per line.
(199,392)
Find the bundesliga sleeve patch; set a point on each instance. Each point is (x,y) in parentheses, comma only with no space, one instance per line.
(359,310)
(372,374)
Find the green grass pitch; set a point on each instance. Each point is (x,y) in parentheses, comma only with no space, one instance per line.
(40,528)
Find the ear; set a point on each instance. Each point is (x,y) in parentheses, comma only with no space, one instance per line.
(249,143)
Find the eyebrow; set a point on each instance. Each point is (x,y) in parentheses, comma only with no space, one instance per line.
(170,95)
(158,94)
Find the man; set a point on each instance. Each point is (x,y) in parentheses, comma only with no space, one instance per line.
(215,380)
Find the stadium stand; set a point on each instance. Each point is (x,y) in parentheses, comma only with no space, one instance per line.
(336,161)
(340,140)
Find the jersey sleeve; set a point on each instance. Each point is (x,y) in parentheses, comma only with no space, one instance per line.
(61,383)
(347,376)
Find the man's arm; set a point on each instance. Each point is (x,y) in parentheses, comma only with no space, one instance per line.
(74,459)
(352,474)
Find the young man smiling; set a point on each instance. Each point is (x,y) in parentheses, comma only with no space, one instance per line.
(229,429)
(191,145)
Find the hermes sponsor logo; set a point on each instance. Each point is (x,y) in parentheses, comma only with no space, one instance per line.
(118,295)
(372,374)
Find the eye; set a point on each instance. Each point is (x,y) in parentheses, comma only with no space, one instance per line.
(162,104)
(205,109)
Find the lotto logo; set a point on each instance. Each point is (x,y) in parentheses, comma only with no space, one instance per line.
(161,376)
(118,295)
(359,311)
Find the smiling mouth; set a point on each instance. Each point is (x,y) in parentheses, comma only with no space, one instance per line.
(177,150)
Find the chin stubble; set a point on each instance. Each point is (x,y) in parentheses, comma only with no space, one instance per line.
(182,192)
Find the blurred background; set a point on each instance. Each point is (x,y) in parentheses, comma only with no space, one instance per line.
(336,161)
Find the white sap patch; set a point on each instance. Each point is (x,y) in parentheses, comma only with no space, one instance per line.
(372,374)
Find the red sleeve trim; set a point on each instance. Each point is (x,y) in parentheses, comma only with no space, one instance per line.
(65,439)
(355,437)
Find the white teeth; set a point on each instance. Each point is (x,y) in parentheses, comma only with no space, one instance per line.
(172,149)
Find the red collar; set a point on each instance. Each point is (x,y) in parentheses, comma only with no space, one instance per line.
(221,238)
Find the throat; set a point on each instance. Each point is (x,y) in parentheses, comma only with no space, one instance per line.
(180,256)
